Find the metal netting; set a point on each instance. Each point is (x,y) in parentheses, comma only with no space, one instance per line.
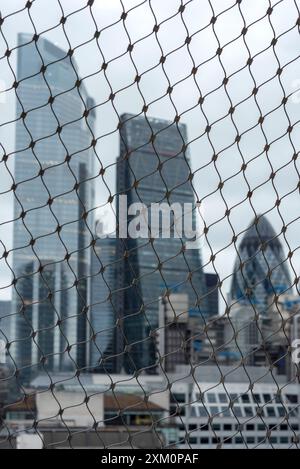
(149,226)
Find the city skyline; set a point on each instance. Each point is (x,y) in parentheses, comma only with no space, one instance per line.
(185,95)
(159,127)
(49,312)
(149,225)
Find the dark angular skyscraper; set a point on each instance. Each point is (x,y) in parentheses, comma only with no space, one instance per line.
(154,167)
(264,270)
(53,164)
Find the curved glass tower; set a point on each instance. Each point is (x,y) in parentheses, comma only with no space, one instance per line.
(51,256)
(262,270)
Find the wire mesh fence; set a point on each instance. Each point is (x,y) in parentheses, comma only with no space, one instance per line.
(149,184)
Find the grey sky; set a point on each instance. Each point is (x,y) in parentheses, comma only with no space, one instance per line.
(153,85)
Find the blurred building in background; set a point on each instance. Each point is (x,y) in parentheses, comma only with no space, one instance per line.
(104,314)
(261,269)
(211,345)
(212,283)
(174,334)
(263,301)
(153,167)
(5,319)
(53,164)
(5,385)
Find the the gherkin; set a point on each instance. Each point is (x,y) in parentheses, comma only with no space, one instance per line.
(262,268)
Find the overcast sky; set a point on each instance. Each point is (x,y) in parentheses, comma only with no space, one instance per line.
(146,54)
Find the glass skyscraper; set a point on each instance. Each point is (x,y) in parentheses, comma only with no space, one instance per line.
(212,281)
(53,166)
(103,306)
(262,269)
(153,167)
(5,313)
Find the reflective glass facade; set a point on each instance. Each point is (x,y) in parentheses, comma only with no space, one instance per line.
(262,270)
(155,172)
(5,312)
(52,167)
(212,281)
(103,305)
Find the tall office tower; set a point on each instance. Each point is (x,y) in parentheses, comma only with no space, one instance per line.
(4,388)
(5,316)
(53,194)
(154,167)
(103,306)
(261,270)
(212,281)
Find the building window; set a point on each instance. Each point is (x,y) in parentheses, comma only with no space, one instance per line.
(249,412)
(239,441)
(216,441)
(212,398)
(238,412)
(245,398)
(292,398)
(250,440)
(267,398)
(192,427)
(227,428)
(226,412)
(271,412)
(281,411)
(223,398)
(293,412)
(202,412)
(180,398)
(214,411)
(228,441)
(250,428)
(193,441)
